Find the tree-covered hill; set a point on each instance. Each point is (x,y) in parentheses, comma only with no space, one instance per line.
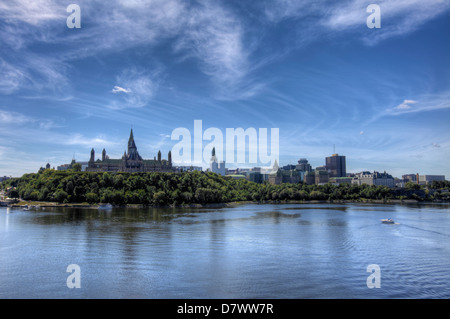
(190,188)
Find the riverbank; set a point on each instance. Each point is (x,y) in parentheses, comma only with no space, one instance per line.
(166,190)
(38,204)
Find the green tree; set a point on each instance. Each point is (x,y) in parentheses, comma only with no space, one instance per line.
(318,195)
(186,197)
(106,180)
(160,198)
(60,195)
(118,181)
(412,186)
(92,198)
(76,167)
(13,193)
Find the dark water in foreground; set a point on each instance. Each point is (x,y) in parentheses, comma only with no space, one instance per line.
(251,251)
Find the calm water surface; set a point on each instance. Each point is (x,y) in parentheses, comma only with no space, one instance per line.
(250,251)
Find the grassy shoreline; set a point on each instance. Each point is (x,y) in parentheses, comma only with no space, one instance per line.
(22,204)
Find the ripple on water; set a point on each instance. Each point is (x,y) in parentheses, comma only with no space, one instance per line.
(252,251)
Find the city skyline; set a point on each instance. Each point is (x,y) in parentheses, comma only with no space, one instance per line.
(316,72)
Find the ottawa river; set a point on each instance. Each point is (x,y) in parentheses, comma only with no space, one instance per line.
(249,251)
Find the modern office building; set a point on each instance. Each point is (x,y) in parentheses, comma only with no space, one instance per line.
(321,177)
(257,176)
(335,165)
(428,179)
(303,165)
(288,167)
(410,178)
(309,178)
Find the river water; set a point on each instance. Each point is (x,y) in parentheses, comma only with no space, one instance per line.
(248,251)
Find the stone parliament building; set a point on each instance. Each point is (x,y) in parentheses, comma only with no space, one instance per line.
(130,162)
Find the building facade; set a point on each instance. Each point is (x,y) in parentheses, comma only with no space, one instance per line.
(131,161)
(65,167)
(215,165)
(428,179)
(375,178)
(321,177)
(340,180)
(310,178)
(335,165)
(279,176)
(303,165)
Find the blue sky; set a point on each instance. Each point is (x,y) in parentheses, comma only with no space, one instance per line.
(313,69)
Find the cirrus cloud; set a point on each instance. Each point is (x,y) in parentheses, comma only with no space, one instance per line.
(138,88)
(406,105)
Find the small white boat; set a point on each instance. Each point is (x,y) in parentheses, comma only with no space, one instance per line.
(387,221)
(29,207)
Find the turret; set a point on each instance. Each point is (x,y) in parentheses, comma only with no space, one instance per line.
(131,143)
(92,159)
(213,155)
(132,149)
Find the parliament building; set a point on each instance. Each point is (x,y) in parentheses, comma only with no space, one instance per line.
(131,161)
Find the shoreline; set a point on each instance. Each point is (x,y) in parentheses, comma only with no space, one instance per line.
(37,204)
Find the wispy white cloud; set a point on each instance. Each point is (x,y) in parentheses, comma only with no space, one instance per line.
(426,103)
(212,33)
(11,78)
(10,117)
(32,12)
(22,162)
(341,17)
(81,140)
(139,87)
(208,32)
(215,36)
(118,89)
(423,103)
(405,105)
(15,119)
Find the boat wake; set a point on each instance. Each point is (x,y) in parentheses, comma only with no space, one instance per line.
(427,230)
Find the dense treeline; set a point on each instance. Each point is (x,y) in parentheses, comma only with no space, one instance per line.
(191,187)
